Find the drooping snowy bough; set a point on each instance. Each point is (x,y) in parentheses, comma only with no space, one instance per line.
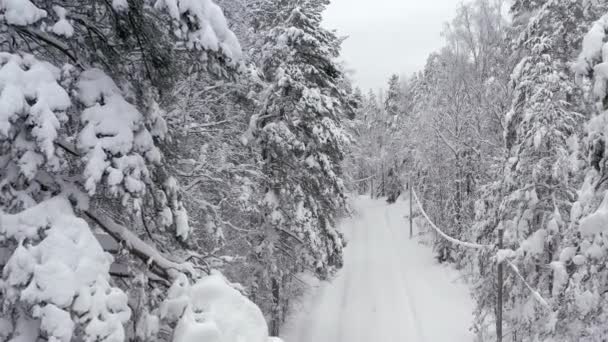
(59,274)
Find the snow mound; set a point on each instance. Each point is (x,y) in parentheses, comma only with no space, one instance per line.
(60,270)
(212,311)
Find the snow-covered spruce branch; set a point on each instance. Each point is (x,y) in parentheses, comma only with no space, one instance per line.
(444,235)
(158,263)
(362,179)
(48,39)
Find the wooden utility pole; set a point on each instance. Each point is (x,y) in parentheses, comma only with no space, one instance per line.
(371,188)
(499,289)
(411,219)
(383,190)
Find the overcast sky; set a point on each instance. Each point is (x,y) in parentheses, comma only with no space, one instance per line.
(388,36)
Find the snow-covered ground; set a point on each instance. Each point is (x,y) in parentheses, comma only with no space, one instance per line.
(391,289)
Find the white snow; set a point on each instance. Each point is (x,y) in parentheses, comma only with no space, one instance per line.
(567,254)
(120,5)
(21,12)
(212,310)
(579,260)
(597,222)
(560,276)
(212,31)
(114,136)
(505,254)
(390,289)
(23,79)
(596,251)
(147,327)
(62,27)
(56,322)
(535,244)
(61,268)
(586,301)
(593,44)
(6,327)
(181,223)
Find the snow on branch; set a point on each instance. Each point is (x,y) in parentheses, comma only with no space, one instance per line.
(205,27)
(535,293)
(21,13)
(29,89)
(594,48)
(159,264)
(361,180)
(48,39)
(117,144)
(444,235)
(59,273)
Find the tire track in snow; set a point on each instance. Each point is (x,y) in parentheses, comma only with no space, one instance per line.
(347,287)
(405,290)
(390,289)
(364,278)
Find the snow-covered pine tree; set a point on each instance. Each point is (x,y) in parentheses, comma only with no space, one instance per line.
(537,191)
(391,166)
(374,142)
(364,161)
(360,164)
(299,132)
(579,271)
(80,137)
(392,102)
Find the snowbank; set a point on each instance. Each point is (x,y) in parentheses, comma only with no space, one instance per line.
(211,310)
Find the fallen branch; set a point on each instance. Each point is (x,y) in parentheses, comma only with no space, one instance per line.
(157,262)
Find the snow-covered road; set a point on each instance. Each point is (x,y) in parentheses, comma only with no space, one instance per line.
(391,289)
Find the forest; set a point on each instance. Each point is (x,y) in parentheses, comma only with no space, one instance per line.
(170,168)
(503,136)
